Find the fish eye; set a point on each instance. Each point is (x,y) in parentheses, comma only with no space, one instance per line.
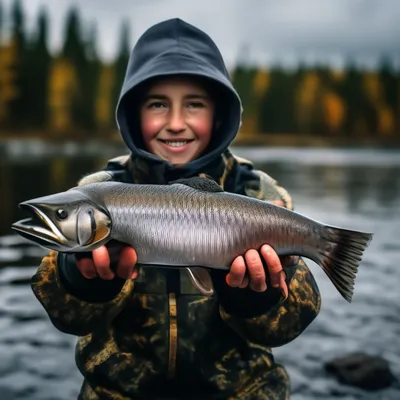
(61,214)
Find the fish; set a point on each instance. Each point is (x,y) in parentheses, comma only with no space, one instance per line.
(188,223)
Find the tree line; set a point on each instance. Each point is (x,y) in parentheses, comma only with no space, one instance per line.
(75,92)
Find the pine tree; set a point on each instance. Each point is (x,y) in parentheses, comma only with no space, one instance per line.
(277,106)
(90,78)
(19,106)
(121,61)
(243,78)
(73,52)
(73,47)
(18,25)
(352,92)
(1,24)
(39,62)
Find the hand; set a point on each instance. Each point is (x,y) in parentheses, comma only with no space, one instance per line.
(100,263)
(255,277)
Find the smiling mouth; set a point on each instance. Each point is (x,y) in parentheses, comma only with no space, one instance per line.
(176,143)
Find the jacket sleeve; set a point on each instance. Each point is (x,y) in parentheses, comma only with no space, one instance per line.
(98,304)
(267,318)
(77,305)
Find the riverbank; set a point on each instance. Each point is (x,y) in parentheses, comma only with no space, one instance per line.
(243,139)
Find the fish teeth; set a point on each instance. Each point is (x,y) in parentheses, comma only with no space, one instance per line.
(176,144)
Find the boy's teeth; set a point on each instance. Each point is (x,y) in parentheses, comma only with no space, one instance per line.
(176,144)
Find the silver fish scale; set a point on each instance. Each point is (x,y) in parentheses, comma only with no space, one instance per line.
(178,225)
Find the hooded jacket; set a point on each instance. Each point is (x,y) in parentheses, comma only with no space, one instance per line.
(158,337)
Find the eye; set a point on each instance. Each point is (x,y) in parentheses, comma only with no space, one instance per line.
(196,104)
(156,104)
(61,214)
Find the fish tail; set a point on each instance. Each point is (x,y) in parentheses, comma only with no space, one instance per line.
(342,256)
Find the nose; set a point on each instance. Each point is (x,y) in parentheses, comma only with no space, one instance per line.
(176,123)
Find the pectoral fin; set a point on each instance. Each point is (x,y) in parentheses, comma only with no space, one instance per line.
(201,279)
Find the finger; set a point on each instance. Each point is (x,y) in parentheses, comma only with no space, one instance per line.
(101,260)
(256,271)
(275,270)
(279,203)
(273,263)
(135,274)
(86,268)
(127,261)
(237,272)
(245,282)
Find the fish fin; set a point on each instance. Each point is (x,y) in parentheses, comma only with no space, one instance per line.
(204,184)
(201,279)
(342,257)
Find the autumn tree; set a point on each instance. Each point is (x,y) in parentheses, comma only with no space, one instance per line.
(8,89)
(390,108)
(20,101)
(63,91)
(104,105)
(333,104)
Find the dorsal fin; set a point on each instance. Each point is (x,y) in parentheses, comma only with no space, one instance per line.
(199,183)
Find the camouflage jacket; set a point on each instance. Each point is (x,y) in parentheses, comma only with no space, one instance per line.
(159,338)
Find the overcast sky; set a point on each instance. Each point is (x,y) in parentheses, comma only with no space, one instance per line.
(283,30)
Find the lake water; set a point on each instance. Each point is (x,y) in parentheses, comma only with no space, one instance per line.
(357,189)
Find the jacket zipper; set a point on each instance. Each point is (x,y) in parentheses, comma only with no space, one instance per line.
(173,280)
(173,336)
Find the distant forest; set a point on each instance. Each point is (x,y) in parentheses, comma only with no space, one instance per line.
(75,92)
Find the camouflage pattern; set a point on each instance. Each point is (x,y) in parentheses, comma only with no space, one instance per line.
(151,343)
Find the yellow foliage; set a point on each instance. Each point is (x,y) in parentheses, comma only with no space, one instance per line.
(261,82)
(334,110)
(307,99)
(58,173)
(8,89)
(373,88)
(386,121)
(249,126)
(308,90)
(338,75)
(104,106)
(63,89)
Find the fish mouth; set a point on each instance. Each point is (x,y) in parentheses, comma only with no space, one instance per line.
(39,228)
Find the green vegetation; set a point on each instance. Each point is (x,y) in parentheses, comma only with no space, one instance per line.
(75,91)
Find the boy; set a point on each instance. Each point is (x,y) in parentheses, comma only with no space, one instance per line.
(151,333)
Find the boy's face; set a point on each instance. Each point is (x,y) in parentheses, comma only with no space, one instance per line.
(177,119)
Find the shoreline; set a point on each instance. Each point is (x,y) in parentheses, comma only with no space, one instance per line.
(242,140)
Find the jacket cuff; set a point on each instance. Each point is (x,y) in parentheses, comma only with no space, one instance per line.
(90,290)
(246,303)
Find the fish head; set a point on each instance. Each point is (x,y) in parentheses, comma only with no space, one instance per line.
(67,222)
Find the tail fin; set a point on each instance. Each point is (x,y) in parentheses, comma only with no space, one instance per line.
(342,256)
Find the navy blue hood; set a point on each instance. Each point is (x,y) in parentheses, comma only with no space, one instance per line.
(174,47)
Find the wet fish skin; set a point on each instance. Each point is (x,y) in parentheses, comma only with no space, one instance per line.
(180,226)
